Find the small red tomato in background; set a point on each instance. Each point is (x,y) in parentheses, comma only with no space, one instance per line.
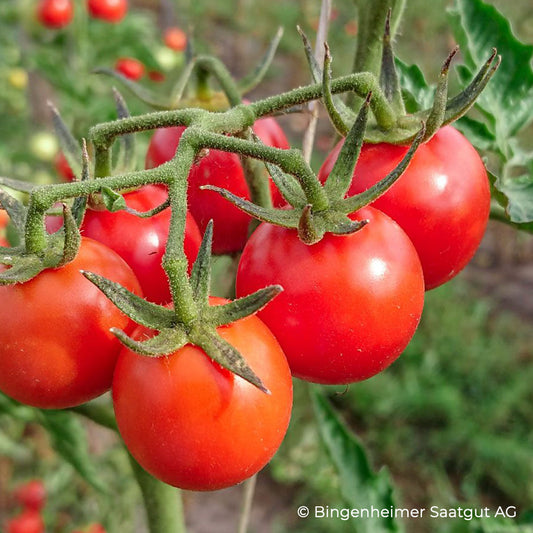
(55,14)
(222,169)
(156,76)
(195,425)
(175,38)
(130,67)
(4,221)
(108,10)
(63,168)
(350,303)
(56,349)
(141,242)
(442,200)
(31,495)
(28,521)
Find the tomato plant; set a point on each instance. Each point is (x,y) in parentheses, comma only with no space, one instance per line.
(55,14)
(350,303)
(56,349)
(141,241)
(442,201)
(108,10)
(29,521)
(130,67)
(194,424)
(222,169)
(31,495)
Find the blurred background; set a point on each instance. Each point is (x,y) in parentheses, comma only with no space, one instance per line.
(451,419)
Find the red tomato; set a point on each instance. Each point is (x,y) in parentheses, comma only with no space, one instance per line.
(130,67)
(31,495)
(222,169)
(175,38)
(108,10)
(56,349)
(195,425)
(350,303)
(28,521)
(55,14)
(4,218)
(156,76)
(63,168)
(141,242)
(442,201)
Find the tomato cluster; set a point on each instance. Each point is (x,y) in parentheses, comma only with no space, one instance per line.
(350,304)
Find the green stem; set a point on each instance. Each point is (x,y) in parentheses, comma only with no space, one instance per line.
(100,414)
(175,261)
(290,161)
(215,67)
(249,490)
(372,16)
(163,503)
(43,198)
(103,135)
(361,84)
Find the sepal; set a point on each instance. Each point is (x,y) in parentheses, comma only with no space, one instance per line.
(242,307)
(165,342)
(138,309)
(227,356)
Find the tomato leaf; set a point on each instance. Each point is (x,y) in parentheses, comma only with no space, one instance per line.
(360,486)
(69,440)
(478,27)
(477,133)
(417,94)
(165,342)
(518,200)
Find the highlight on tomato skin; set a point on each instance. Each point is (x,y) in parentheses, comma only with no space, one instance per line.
(442,200)
(112,11)
(56,347)
(55,14)
(350,303)
(195,425)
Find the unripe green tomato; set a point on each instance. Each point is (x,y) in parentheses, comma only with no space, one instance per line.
(44,146)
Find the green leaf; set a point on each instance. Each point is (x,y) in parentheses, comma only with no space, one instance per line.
(477,133)
(69,441)
(479,27)
(519,195)
(417,93)
(360,486)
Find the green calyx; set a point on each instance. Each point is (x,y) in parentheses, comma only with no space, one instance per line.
(172,332)
(60,247)
(318,209)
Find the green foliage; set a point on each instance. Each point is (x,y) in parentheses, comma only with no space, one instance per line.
(451,418)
